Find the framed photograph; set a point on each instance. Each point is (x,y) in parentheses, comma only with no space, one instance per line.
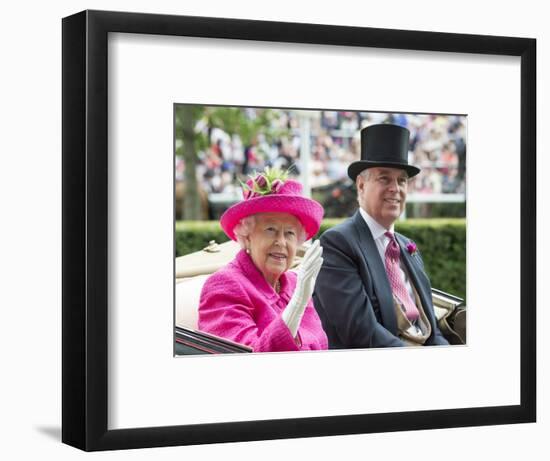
(124,77)
(226,160)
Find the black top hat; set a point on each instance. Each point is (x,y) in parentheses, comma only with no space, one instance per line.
(383,145)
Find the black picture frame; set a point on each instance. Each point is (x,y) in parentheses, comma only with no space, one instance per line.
(85,234)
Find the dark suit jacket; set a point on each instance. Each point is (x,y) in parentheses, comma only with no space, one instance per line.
(353,295)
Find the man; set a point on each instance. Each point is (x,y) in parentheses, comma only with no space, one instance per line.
(372,290)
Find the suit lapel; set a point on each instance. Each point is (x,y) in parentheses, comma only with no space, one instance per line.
(377,272)
(417,275)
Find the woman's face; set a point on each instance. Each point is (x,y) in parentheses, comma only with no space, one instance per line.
(273,243)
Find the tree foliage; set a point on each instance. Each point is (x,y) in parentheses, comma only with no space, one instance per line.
(193,124)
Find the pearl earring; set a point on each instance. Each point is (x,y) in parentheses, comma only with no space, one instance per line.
(247,251)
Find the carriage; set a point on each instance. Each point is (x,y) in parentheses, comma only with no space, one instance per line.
(192,270)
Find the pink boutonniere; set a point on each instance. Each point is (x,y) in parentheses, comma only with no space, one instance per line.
(411,248)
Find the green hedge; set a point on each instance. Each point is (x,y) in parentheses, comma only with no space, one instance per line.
(192,236)
(442,243)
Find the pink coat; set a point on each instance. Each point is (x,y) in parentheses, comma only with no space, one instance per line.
(237,303)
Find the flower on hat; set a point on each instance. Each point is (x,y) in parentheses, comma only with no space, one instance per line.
(276,186)
(249,189)
(411,248)
(247,193)
(271,191)
(261,180)
(270,181)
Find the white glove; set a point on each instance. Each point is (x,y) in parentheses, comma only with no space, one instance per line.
(307,274)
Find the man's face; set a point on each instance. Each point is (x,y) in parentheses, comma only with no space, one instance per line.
(382,193)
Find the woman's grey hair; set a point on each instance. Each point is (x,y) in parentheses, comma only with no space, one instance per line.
(244,228)
(246,225)
(301,234)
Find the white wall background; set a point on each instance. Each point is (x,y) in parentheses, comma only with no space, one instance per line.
(30,226)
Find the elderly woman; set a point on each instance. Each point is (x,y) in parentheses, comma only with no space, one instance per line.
(255,300)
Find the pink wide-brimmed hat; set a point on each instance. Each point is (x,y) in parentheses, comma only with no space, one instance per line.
(281,196)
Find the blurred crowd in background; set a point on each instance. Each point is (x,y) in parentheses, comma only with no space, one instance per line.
(437,146)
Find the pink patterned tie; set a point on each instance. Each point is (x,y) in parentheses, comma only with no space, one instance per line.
(397,285)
